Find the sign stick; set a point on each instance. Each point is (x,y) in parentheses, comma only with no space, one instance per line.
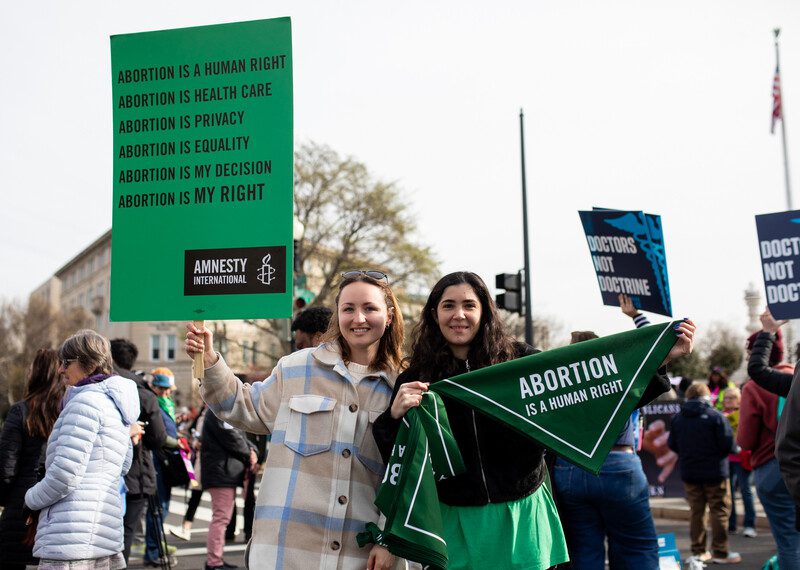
(198,369)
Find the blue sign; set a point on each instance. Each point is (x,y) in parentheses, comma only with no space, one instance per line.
(628,254)
(779,246)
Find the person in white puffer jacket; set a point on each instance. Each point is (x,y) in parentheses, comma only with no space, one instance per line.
(88,452)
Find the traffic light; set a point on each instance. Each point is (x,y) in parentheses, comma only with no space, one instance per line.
(512,299)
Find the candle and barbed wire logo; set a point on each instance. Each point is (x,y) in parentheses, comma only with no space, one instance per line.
(267,273)
(235,271)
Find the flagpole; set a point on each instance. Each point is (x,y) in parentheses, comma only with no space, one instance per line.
(527,270)
(783,127)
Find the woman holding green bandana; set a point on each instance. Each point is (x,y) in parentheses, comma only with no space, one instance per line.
(498,510)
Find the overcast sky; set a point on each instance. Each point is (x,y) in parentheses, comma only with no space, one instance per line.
(663,107)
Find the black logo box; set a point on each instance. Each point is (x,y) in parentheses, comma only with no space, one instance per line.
(220,271)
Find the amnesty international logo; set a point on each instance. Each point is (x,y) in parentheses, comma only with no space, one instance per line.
(267,273)
(235,271)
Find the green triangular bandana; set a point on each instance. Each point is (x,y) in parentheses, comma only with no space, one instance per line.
(424,451)
(574,399)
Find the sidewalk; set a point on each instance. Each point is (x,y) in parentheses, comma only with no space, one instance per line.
(677,508)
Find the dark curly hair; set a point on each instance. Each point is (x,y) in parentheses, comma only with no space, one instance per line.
(124,353)
(312,320)
(431,356)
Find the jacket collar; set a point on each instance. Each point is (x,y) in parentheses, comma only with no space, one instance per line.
(328,354)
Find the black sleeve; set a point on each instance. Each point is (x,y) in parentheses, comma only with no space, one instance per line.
(385,428)
(658,385)
(155,433)
(10,448)
(759,370)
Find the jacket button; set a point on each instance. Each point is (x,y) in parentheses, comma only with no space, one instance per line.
(335,545)
(353,407)
(342,500)
(345,453)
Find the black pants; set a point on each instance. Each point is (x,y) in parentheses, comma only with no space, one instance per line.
(249,507)
(191,507)
(134,507)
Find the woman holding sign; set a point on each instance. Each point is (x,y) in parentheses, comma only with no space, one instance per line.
(323,467)
(498,510)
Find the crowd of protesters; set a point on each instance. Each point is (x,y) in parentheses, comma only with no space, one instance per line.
(90,455)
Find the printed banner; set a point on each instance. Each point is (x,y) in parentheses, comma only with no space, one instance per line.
(574,399)
(659,462)
(203,173)
(424,452)
(779,246)
(628,255)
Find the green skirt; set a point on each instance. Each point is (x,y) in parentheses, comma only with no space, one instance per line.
(522,534)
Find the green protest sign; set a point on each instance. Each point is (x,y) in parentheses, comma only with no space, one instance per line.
(203,172)
(574,399)
(424,452)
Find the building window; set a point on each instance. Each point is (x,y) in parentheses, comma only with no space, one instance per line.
(155,347)
(220,342)
(171,347)
(245,352)
(255,353)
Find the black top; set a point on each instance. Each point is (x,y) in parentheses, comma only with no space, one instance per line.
(702,438)
(224,454)
(501,464)
(21,455)
(759,370)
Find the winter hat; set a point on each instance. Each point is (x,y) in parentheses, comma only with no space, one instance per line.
(776,356)
(163,378)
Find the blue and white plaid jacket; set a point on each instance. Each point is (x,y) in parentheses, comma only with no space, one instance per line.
(323,467)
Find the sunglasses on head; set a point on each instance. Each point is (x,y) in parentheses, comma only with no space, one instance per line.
(372,274)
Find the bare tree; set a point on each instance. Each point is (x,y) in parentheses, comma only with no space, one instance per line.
(24,330)
(352,221)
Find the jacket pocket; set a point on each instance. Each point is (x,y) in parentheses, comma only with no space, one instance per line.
(310,428)
(368,453)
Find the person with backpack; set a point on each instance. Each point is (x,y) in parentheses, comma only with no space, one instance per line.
(141,477)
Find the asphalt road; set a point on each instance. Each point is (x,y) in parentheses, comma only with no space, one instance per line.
(191,554)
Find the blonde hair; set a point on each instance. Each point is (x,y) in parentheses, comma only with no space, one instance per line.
(390,349)
(733,391)
(91,350)
(697,390)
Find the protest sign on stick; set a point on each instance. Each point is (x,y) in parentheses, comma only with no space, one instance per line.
(203,173)
(628,256)
(779,247)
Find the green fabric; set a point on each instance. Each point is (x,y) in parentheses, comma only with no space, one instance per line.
(424,451)
(574,399)
(167,405)
(522,534)
(781,403)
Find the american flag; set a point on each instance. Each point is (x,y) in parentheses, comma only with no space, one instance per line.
(777,111)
